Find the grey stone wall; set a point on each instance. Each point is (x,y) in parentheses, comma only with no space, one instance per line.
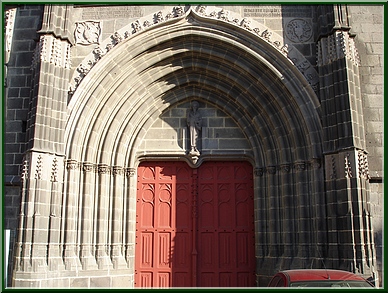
(219,132)
(367,23)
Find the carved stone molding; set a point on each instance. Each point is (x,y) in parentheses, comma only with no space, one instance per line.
(271,170)
(130,172)
(300,166)
(52,50)
(72,165)
(117,170)
(39,167)
(337,46)
(54,171)
(259,172)
(285,168)
(348,167)
(211,12)
(9,26)
(88,167)
(103,169)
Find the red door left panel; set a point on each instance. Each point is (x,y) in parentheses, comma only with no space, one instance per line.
(163,225)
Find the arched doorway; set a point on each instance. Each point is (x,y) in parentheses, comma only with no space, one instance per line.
(130,108)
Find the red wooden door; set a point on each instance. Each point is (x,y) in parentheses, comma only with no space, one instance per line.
(226,241)
(194,227)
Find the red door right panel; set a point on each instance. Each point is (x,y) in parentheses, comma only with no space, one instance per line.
(226,241)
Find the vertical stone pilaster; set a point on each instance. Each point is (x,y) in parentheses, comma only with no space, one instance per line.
(130,205)
(88,260)
(102,225)
(118,259)
(273,208)
(287,200)
(71,259)
(351,236)
(55,261)
(22,262)
(260,214)
(303,214)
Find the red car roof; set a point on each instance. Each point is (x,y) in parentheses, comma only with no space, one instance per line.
(319,275)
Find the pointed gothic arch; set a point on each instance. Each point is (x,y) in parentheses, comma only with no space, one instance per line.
(227,68)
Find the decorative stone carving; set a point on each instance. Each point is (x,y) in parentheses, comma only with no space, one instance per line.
(39,166)
(271,170)
(217,13)
(71,164)
(316,163)
(300,166)
(54,171)
(24,170)
(336,46)
(87,167)
(158,17)
(348,167)
(103,169)
(87,32)
(299,31)
(9,25)
(333,174)
(194,123)
(117,170)
(130,172)
(285,168)
(266,35)
(117,38)
(52,50)
(259,172)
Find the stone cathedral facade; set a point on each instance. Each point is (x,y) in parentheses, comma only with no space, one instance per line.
(191,145)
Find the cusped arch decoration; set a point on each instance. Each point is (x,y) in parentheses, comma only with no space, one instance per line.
(211,13)
(194,56)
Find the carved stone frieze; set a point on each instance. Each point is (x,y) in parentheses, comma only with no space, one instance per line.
(220,14)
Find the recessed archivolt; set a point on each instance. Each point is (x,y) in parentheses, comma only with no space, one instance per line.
(123,95)
(191,14)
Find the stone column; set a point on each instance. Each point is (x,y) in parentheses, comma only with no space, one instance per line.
(130,220)
(71,259)
(88,208)
(273,210)
(55,261)
(117,218)
(287,201)
(102,245)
